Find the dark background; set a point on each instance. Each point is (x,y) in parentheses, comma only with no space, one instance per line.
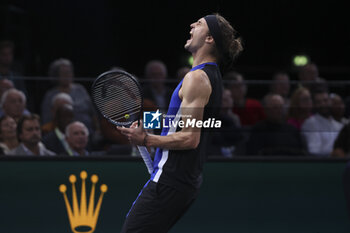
(96,35)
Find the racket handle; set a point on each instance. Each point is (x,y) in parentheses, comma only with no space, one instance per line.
(146,158)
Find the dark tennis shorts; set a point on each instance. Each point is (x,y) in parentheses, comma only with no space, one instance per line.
(157,208)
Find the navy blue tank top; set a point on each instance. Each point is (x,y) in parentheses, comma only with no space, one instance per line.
(182,169)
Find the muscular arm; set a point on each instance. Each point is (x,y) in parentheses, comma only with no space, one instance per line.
(195,93)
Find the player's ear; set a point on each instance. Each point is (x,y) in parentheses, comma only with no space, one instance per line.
(209,39)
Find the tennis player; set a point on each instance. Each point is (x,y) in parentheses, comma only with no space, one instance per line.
(180,153)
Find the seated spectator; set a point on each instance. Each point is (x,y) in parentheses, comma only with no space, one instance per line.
(7,65)
(227,106)
(338,109)
(55,140)
(281,86)
(181,72)
(77,137)
(300,107)
(58,100)
(250,111)
(8,134)
(225,138)
(347,107)
(341,147)
(156,90)
(309,77)
(273,136)
(13,104)
(320,130)
(62,70)
(29,136)
(5,85)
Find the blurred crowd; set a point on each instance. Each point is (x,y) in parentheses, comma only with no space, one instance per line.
(304,119)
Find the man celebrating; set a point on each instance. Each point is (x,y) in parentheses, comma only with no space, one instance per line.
(180,152)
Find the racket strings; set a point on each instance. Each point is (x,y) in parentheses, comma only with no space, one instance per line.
(122,114)
(131,117)
(112,88)
(121,105)
(112,103)
(114,93)
(123,85)
(118,97)
(115,112)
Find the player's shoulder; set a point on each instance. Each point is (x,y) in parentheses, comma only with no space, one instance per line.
(196,83)
(196,77)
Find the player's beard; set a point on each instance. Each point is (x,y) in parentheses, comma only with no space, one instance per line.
(187,45)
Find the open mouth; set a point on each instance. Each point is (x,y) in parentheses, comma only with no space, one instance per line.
(191,36)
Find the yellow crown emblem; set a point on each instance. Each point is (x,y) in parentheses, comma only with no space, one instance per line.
(83,218)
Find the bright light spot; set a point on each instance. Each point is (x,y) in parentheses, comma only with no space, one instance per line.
(300,60)
(190,60)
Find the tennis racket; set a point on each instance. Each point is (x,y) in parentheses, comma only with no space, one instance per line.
(118,97)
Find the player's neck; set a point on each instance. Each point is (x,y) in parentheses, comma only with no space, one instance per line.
(199,58)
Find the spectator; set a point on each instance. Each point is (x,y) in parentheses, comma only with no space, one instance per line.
(181,72)
(341,147)
(300,107)
(308,73)
(227,106)
(13,104)
(338,109)
(5,85)
(77,135)
(8,134)
(58,100)
(55,140)
(29,136)
(347,107)
(281,86)
(62,70)
(250,111)
(157,91)
(225,138)
(273,136)
(309,77)
(7,63)
(320,130)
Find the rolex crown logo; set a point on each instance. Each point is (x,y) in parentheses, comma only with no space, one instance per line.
(83,217)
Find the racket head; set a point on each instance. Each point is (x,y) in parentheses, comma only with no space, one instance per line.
(117,95)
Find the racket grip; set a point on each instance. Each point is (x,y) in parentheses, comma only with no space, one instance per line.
(146,158)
